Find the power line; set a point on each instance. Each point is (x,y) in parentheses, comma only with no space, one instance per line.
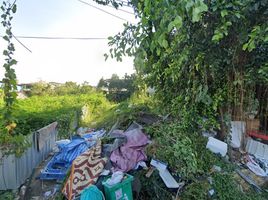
(103,10)
(61,38)
(21,43)
(122,10)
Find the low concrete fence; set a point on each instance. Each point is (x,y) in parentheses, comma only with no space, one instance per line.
(15,170)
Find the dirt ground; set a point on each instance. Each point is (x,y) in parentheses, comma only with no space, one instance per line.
(37,189)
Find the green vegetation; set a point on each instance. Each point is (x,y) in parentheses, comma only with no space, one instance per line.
(126,112)
(53,89)
(118,89)
(35,112)
(9,80)
(38,111)
(203,57)
(7,195)
(206,60)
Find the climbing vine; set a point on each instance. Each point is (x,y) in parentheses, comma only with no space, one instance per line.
(10,143)
(9,81)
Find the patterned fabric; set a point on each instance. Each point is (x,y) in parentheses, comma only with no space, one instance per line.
(85,171)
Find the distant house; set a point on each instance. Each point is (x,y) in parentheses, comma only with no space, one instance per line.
(24,87)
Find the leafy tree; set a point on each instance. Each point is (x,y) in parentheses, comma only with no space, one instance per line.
(118,89)
(41,88)
(85,88)
(203,57)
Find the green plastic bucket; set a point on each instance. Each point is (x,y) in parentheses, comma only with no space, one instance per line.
(120,191)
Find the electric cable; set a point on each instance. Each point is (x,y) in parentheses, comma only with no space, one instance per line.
(103,11)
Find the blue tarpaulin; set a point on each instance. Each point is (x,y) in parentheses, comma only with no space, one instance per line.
(58,166)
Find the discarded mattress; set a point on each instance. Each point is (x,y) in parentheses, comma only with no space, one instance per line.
(129,154)
(85,171)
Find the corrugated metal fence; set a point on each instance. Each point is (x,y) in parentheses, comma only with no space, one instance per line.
(15,170)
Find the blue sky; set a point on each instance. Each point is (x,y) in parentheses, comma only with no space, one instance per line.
(65,60)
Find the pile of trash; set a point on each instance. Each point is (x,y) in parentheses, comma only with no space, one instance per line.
(97,168)
(251,164)
(90,162)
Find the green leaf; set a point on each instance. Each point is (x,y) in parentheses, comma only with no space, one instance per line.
(14,8)
(6,38)
(13,62)
(4,16)
(245,46)
(237,15)
(224,13)
(197,11)
(251,46)
(165,43)
(5,53)
(162,41)
(177,22)
(228,23)
(217,36)
(266,38)
(196,16)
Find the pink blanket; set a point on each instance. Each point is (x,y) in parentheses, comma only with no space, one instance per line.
(127,156)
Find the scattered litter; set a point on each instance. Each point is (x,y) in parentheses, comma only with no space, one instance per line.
(209,133)
(217,146)
(51,193)
(158,164)
(141,164)
(47,194)
(211,193)
(256,165)
(105,172)
(244,186)
(115,178)
(168,179)
(210,180)
(23,190)
(216,168)
(249,180)
(149,172)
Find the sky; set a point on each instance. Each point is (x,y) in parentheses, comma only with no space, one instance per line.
(65,60)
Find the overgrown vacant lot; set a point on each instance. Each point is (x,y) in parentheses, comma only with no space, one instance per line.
(37,111)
